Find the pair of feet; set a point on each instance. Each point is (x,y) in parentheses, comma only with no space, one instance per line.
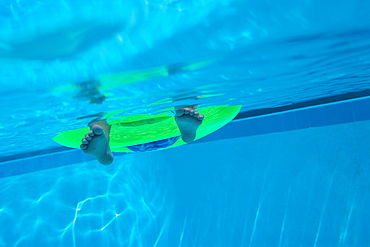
(96,141)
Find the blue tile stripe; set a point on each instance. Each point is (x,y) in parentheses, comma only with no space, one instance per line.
(305,104)
(330,114)
(316,116)
(42,162)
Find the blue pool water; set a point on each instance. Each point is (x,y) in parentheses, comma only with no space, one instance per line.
(307,187)
(262,53)
(291,170)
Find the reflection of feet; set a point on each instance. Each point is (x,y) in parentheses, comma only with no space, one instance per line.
(90,91)
(188,122)
(96,144)
(97,98)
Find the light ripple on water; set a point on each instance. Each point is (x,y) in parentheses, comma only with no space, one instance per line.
(106,199)
(253,64)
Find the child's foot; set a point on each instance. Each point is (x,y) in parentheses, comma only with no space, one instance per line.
(96,144)
(188,122)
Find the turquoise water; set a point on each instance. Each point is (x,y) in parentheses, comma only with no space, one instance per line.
(307,187)
(296,179)
(263,53)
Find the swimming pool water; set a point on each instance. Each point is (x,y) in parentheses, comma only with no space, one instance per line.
(306,187)
(296,179)
(261,54)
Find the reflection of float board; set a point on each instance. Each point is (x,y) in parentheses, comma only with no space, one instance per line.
(133,130)
(110,81)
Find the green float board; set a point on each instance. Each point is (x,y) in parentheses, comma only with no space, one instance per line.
(139,129)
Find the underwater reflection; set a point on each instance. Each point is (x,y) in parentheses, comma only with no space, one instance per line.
(58,42)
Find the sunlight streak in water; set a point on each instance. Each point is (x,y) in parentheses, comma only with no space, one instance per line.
(343,235)
(160,234)
(261,197)
(119,197)
(73,223)
(182,232)
(103,228)
(284,219)
(329,187)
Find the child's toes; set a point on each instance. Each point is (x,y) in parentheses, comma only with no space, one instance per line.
(187,110)
(97,130)
(91,133)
